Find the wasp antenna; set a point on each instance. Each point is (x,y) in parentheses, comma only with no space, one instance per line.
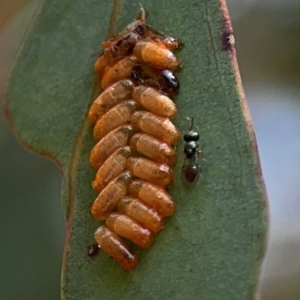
(200,155)
(192,124)
(188,122)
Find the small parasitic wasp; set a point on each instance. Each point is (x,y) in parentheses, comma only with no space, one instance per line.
(191,168)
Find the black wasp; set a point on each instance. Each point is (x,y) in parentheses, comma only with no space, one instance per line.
(191,168)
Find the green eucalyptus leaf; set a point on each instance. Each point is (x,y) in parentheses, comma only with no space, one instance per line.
(212,247)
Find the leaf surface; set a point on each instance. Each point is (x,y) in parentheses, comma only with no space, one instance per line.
(212,247)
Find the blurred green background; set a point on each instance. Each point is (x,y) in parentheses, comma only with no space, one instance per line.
(31,219)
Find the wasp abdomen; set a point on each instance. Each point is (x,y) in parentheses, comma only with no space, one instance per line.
(115,247)
(130,229)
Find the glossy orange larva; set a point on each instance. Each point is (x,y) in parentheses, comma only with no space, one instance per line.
(142,213)
(134,152)
(107,145)
(110,196)
(115,117)
(157,56)
(153,148)
(121,70)
(154,196)
(161,128)
(112,96)
(128,228)
(111,168)
(154,101)
(116,248)
(101,64)
(156,173)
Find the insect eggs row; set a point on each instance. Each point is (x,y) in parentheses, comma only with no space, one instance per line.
(123,129)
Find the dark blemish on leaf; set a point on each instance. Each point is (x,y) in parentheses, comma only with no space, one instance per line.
(246,148)
(227,38)
(228,41)
(93,250)
(177,228)
(7,114)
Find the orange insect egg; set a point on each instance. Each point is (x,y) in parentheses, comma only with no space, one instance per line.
(111,168)
(115,247)
(153,148)
(149,170)
(108,199)
(161,128)
(112,96)
(142,213)
(111,142)
(154,101)
(129,229)
(155,54)
(154,196)
(101,64)
(115,117)
(121,70)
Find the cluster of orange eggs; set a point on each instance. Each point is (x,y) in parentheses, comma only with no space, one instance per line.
(134,153)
